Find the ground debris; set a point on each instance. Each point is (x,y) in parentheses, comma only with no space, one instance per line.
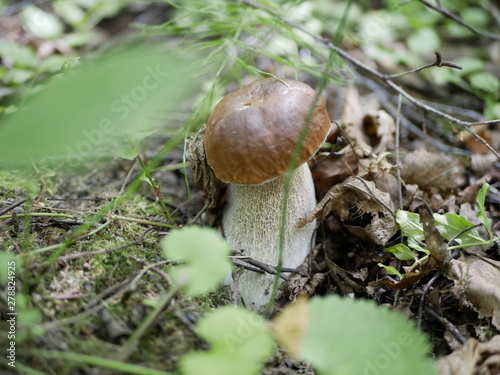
(473,358)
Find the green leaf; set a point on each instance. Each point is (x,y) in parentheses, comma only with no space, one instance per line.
(239,343)
(131,149)
(424,41)
(401,251)
(412,243)
(391,270)
(469,65)
(122,89)
(348,336)
(481,215)
(449,225)
(70,12)
(205,254)
(410,224)
(485,81)
(41,24)
(23,56)
(29,317)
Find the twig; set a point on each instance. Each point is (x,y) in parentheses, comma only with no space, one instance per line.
(12,206)
(153,267)
(37,214)
(437,62)
(386,78)
(263,266)
(422,298)
(446,323)
(462,232)
(445,12)
(16,245)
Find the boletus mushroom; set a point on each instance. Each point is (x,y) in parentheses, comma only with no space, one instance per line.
(249,141)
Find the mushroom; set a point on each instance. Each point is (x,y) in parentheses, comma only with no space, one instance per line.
(249,141)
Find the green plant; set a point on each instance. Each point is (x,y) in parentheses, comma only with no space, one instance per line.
(452,227)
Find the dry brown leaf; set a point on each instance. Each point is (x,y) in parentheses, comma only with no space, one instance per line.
(332,169)
(351,123)
(204,176)
(408,279)
(478,279)
(366,211)
(381,129)
(289,326)
(473,358)
(433,170)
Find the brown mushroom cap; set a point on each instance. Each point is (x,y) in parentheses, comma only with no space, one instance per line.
(252,132)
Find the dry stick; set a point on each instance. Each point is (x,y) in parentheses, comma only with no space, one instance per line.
(12,206)
(386,78)
(153,267)
(445,12)
(447,324)
(263,266)
(437,62)
(422,298)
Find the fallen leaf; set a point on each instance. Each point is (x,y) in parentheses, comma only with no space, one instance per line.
(472,358)
(351,123)
(432,170)
(362,208)
(408,279)
(290,325)
(381,129)
(478,279)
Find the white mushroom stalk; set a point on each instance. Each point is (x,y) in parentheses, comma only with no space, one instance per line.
(251,225)
(249,141)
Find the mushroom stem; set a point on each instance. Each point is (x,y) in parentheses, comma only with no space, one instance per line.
(252,222)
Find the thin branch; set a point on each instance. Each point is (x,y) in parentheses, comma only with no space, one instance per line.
(445,12)
(422,298)
(447,324)
(12,206)
(437,62)
(263,266)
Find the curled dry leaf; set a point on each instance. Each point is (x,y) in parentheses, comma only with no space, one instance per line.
(204,177)
(376,166)
(409,278)
(478,280)
(431,170)
(472,358)
(351,123)
(380,127)
(363,209)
